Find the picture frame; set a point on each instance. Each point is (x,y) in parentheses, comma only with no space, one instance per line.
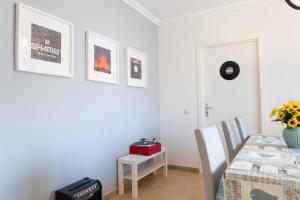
(102,58)
(136,68)
(44,43)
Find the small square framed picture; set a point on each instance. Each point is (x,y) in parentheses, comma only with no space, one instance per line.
(44,43)
(136,67)
(102,58)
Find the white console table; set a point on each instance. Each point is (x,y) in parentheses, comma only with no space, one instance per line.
(140,168)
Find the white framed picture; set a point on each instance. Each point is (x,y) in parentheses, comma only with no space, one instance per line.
(102,58)
(136,67)
(44,43)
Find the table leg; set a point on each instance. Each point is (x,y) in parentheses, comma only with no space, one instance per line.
(120,178)
(154,164)
(134,181)
(165,160)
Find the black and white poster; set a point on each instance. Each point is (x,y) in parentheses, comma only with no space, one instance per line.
(136,64)
(45,44)
(136,68)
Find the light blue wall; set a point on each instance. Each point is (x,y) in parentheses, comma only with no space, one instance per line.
(54,130)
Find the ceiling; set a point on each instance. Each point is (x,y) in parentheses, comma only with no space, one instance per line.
(164,9)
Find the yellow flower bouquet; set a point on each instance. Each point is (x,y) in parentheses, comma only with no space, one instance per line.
(289,114)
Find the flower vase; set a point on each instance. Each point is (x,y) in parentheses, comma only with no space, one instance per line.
(292,137)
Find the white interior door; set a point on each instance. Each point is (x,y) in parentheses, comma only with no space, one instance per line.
(225,99)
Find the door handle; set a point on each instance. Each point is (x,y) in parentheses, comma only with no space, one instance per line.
(207,108)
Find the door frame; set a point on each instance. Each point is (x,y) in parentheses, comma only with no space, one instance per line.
(200,81)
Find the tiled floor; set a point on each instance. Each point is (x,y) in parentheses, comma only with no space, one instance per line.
(180,185)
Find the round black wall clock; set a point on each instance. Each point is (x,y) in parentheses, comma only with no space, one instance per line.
(229,70)
(294,4)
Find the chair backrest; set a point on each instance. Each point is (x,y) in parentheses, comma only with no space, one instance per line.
(212,157)
(243,128)
(232,138)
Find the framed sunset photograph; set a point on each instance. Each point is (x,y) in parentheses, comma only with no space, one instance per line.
(136,67)
(44,43)
(102,58)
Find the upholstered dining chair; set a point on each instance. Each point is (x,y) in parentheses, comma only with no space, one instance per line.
(213,161)
(232,138)
(243,128)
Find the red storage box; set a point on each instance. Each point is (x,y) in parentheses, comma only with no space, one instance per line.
(146,150)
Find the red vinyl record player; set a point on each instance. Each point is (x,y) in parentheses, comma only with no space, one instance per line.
(145,148)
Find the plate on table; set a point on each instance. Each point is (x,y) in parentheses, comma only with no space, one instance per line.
(269,169)
(250,146)
(293,172)
(241,165)
(270,148)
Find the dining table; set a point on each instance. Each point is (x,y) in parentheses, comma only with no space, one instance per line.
(262,140)
(264,169)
